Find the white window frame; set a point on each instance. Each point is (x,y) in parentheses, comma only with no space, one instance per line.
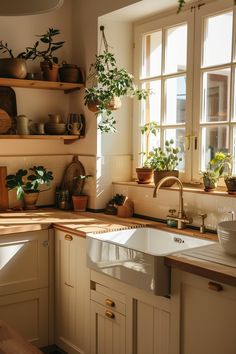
(194,17)
(201,13)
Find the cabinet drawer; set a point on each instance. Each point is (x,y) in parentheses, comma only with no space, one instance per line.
(109,298)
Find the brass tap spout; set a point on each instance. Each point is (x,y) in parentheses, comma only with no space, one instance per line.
(181,217)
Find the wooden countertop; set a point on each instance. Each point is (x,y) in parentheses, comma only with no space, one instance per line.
(82,223)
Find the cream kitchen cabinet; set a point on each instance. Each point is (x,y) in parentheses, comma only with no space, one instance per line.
(205,311)
(24,284)
(71,293)
(108,321)
(127,320)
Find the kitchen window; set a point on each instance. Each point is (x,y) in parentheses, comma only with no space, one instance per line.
(188,61)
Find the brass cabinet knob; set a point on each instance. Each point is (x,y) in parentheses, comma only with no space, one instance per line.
(215,286)
(110,303)
(109,314)
(68,237)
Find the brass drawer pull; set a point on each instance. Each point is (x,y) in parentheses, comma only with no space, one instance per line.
(71,286)
(215,286)
(110,303)
(68,237)
(109,314)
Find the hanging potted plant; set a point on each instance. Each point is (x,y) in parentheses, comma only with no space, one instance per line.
(49,65)
(164,162)
(216,170)
(28,188)
(108,85)
(79,199)
(145,173)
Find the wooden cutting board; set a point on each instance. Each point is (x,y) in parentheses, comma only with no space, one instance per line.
(4,203)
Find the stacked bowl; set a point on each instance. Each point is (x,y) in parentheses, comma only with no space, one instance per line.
(55,127)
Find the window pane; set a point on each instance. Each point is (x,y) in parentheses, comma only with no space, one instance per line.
(178,135)
(234,150)
(152,54)
(151,107)
(213,139)
(234,100)
(176,49)
(216,95)
(175,101)
(218,39)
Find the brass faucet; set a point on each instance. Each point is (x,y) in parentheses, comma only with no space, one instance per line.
(181,218)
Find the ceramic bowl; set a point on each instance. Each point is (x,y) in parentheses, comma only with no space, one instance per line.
(226,231)
(55,128)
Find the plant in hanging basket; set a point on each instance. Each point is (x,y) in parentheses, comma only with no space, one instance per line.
(109,85)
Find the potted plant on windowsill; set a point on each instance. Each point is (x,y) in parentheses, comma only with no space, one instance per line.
(27,184)
(216,170)
(79,199)
(164,162)
(145,173)
(108,85)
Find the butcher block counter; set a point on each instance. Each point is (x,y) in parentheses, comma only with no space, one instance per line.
(82,223)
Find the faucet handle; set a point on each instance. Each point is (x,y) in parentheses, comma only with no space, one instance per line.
(232,213)
(202,227)
(172,211)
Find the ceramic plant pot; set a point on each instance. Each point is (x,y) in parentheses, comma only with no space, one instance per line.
(231,185)
(80,202)
(50,72)
(144,175)
(70,73)
(13,68)
(158,175)
(30,200)
(209,184)
(113,105)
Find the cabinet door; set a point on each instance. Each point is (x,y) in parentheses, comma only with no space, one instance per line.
(72,296)
(23,261)
(27,312)
(153,329)
(207,315)
(107,330)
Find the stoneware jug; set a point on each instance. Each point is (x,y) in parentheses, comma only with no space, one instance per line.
(23,125)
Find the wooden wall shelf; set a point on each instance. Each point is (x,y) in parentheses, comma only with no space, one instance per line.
(39,84)
(68,139)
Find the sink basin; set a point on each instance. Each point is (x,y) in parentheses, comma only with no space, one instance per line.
(136,256)
(226,231)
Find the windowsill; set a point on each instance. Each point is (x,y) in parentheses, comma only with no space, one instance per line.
(188,187)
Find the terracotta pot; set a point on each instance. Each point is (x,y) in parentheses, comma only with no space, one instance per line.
(113,105)
(144,175)
(13,67)
(231,185)
(209,184)
(80,202)
(30,200)
(50,72)
(70,73)
(158,175)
